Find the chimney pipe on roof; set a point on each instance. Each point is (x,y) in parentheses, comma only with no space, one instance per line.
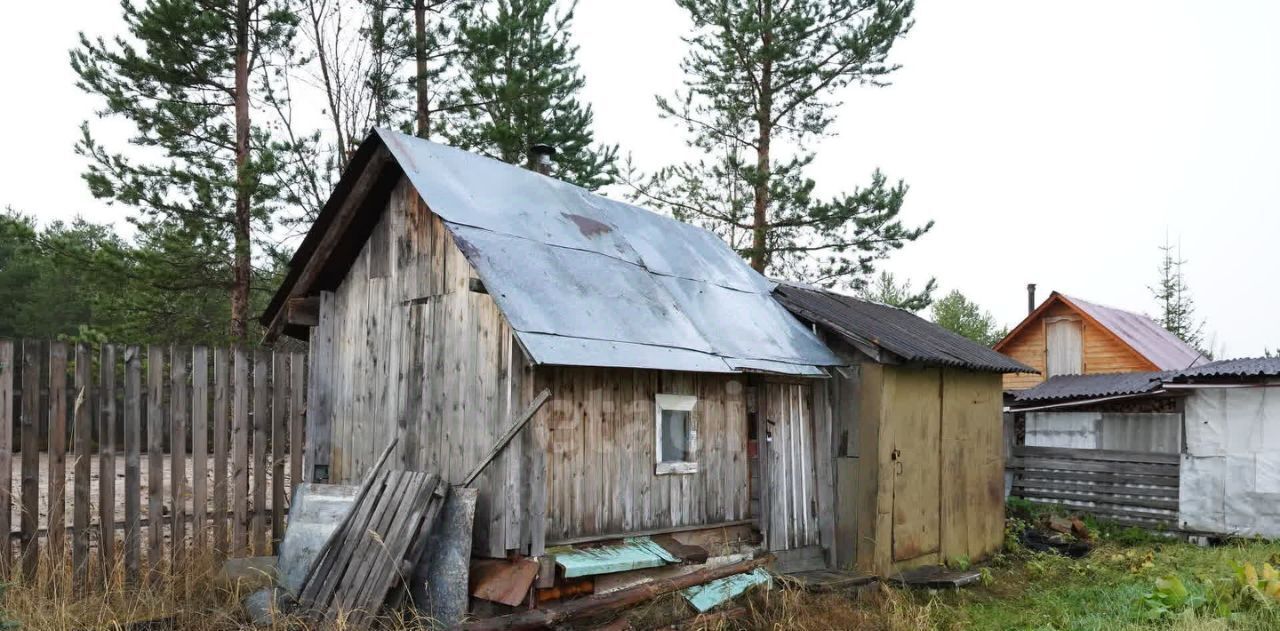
(1031,297)
(540,158)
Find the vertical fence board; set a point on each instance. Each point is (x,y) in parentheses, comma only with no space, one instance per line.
(199,447)
(30,421)
(279,438)
(82,438)
(297,388)
(57,449)
(261,421)
(178,453)
(221,413)
(240,454)
(107,460)
(132,461)
(6,455)
(155,456)
(258,428)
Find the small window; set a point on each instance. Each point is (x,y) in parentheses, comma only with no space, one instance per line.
(676,438)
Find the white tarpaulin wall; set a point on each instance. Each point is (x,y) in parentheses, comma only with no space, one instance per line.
(1230,480)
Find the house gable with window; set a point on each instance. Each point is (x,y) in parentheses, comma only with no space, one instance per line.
(1070,336)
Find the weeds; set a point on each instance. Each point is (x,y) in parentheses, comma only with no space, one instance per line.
(193,596)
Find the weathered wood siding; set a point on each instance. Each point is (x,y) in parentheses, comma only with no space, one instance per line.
(972,464)
(1103,353)
(913,416)
(599,430)
(405,347)
(843,399)
(925,480)
(791,479)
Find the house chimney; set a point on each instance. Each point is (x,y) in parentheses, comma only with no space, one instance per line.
(540,158)
(1031,297)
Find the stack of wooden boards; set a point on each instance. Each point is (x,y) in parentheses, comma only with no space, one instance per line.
(369,560)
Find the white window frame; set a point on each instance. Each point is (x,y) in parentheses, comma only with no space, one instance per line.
(675,403)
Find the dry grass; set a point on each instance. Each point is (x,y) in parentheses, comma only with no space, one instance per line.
(879,608)
(1101,591)
(192,597)
(786,607)
(189,596)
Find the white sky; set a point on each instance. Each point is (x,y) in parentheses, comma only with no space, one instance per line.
(1053,142)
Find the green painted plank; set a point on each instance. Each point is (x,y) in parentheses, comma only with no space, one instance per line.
(705,597)
(636,553)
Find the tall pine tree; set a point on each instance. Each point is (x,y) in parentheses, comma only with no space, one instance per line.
(760,83)
(519,87)
(1177,309)
(202,176)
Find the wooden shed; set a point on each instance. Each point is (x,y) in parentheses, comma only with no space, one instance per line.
(441,292)
(917,434)
(1072,336)
(1191,450)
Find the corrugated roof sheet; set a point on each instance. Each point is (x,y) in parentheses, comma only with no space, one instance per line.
(1244,367)
(1145,335)
(897,331)
(1066,387)
(589,281)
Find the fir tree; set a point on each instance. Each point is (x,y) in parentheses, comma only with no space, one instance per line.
(519,87)
(958,314)
(760,83)
(886,289)
(204,179)
(1177,309)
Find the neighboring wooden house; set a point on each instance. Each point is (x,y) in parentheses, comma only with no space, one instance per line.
(918,455)
(1070,336)
(442,291)
(1192,450)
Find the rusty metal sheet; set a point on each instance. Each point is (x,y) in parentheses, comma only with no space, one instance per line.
(503,581)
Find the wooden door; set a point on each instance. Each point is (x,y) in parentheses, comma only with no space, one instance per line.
(1064,347)
(790,470)
(912,397)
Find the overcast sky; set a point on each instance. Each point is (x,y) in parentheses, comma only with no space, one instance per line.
(1052,142)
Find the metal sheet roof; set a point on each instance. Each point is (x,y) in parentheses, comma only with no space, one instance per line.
(897,331)
(1245,367)
(586,280)
(1147,337)
(1066,387)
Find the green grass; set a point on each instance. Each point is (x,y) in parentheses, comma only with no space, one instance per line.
(1103,591)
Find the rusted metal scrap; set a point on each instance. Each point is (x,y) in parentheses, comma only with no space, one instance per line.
(613,601)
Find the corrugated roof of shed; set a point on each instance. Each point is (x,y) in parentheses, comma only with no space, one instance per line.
(897,331)
(590,281)
(1244,367)
(1067,387)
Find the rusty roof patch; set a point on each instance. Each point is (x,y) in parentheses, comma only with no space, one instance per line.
(587,226)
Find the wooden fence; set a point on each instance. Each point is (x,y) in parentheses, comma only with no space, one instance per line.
(1134,487)
(172,450)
